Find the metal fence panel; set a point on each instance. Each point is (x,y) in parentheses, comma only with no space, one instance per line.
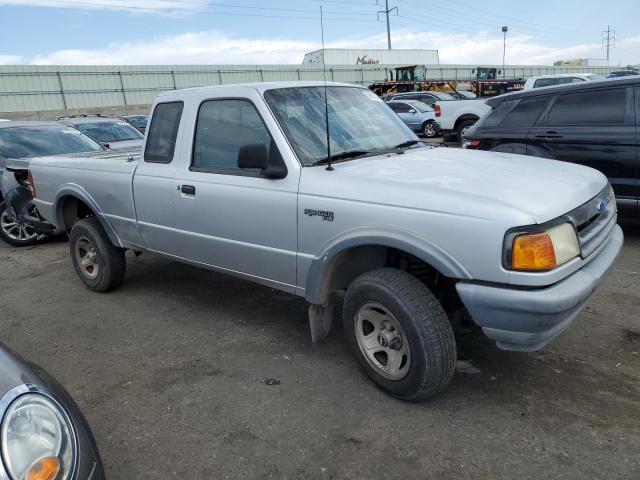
(28,88)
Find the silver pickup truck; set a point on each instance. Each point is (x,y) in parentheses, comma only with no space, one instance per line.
(404,236)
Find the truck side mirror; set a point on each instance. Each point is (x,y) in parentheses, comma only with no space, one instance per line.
(254,155)
(257,156)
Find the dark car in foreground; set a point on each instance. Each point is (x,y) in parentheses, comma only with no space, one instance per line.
(43,434)
(592,123)
(114,133)
(19,221)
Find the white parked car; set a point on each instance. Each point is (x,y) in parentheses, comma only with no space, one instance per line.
(559,79)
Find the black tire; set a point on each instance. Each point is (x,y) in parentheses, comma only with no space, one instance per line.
(111,260)
(7,238)
(429,129)
(462,127)
(426,329)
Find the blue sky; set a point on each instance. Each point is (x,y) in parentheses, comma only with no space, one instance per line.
(280,31)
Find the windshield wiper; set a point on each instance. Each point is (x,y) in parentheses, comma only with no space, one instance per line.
(343,156)
(408,143)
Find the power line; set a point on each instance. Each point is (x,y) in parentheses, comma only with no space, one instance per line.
(218,13)
(489,23)
(515,19)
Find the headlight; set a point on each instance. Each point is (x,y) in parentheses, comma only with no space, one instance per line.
(37,440)
(545,250)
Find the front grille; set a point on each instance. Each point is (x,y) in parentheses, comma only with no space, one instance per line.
(595,220)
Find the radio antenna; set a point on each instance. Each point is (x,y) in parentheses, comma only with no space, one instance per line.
(326,102)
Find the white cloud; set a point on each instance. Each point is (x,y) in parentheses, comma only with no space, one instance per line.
(214,47)
(10,59)
(145,6)
(189,48)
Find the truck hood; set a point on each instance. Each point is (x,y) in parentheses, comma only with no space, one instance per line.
(488,185)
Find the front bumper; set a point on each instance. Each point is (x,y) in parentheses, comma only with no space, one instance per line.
(526,320)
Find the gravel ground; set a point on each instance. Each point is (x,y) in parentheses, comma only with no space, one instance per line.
(171,369)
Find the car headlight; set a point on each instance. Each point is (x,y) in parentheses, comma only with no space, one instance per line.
(37,440)
(545,250)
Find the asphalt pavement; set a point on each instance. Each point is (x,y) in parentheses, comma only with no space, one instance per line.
(185,373)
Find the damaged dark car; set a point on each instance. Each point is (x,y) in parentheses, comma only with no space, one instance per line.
(20,222)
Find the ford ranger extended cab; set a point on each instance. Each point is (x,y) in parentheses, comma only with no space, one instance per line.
(239,179)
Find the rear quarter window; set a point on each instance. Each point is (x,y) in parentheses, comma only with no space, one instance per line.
(163,131)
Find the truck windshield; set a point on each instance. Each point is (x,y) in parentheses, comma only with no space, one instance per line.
(25,142)
(358,121)
(106,132)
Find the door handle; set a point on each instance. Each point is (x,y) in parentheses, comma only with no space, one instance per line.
(188,189)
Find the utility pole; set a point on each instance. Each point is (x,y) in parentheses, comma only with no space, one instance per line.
(505,29)
(608,40)
(387,11)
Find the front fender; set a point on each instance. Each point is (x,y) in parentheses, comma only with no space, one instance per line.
(320,270)
(76,191)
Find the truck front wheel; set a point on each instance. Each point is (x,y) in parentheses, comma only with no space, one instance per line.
(99,264)
(400,334)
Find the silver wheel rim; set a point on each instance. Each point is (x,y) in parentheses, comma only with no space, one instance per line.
(87,258)
(15,229)
(463,131)
(382,341)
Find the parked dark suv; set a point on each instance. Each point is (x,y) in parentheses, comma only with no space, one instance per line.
(592,123)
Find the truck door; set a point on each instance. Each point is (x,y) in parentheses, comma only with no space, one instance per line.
(153,179)
(596,128)
(230,218)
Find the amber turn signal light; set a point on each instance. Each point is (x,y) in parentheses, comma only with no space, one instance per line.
(46,468)
(533,252)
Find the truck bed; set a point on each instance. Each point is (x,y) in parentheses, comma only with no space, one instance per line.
(89,174)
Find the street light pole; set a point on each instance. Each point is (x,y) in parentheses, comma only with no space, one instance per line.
(505,29)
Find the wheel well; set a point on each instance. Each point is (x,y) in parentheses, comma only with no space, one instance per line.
(355,261)
(464,118)
(72,210)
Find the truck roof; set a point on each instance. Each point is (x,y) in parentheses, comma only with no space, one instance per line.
(260,86)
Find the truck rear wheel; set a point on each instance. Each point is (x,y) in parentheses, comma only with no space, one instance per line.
(99,264)
(462,128)
(400,334)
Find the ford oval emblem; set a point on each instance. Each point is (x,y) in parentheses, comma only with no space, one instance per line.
(601,206)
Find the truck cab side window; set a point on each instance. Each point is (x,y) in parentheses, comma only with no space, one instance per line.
(224,126)
(163,131)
